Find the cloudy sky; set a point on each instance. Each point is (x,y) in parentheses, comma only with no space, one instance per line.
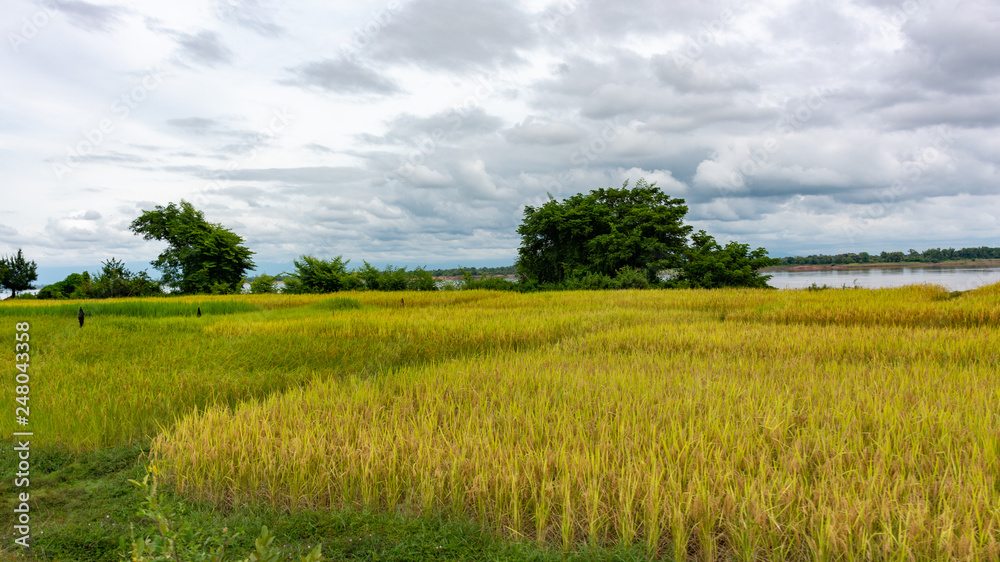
(414,132)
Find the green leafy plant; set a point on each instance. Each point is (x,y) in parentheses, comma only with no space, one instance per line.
(264,284)
(177,539)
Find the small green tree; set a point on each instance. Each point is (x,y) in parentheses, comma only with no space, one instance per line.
(388,279)
(420,279)
(263,284)
(314,275)
(17,274)
(708,265)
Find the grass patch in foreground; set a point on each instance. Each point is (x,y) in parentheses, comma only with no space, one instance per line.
(84,509)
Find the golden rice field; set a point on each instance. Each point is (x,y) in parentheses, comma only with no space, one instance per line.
(709,425)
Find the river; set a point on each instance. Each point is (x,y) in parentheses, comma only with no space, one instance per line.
(952,278)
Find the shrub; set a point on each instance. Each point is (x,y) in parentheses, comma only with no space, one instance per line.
(263,284)
(631,278)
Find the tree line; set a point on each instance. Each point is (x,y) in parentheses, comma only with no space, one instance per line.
(606,239)
(932,255)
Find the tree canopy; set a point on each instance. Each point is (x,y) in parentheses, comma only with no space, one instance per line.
(201,257)
(602,233)
(17,273)
(315,275)
(114,280)
(707,265)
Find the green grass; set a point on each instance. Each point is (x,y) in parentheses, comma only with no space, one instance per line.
(84,509)
(156,308)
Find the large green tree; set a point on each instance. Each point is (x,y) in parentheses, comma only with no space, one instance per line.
(17,273)
(201,257)
(602,233)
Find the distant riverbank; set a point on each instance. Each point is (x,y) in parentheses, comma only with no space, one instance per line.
(828,267)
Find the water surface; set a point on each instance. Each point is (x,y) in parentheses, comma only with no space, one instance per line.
(952,278)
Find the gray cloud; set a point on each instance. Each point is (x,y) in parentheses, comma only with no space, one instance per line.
(451,125)
(316,147)
(204,47)
(89,215)
(553,133)
(197,125)
(92,17)
(251,14)
(342,76)
(952,50)
(456,35)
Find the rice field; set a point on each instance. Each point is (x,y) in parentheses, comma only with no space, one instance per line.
(708,425)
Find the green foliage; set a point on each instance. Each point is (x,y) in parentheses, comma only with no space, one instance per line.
(625,278)
(708,265)
(263,284)
(314,275)
(388,279)
(420,280)
(589,282)
(601,233)
(17,274)
(72,287)
(631,278)
(178,539)
(201,257)
(113,281)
